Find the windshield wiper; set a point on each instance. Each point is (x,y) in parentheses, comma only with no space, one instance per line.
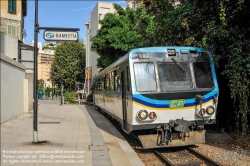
(178,64)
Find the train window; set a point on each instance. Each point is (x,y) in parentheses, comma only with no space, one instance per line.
(112,82)
(203,75)
(115,81)
(128,80)
(100,84)
(174,76)
(96,87)
(118,83)
(107,83)
(145,76)
(104,83)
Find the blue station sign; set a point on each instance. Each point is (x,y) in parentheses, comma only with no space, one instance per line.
(60,36)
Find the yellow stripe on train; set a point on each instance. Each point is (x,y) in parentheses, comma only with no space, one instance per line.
(163,109)
(168,109)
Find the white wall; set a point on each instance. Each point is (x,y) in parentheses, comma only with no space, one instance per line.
(11,88)
(9,46)
(91,57)
(30,77)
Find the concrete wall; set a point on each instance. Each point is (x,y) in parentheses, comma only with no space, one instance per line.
(27,59)
(12,83)
(29,75)
(9,45)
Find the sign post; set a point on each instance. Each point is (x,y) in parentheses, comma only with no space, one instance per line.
(60,36)
(50,34)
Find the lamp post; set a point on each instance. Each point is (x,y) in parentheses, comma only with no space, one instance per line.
(61,79)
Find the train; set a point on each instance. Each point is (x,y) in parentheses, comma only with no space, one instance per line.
(165,95)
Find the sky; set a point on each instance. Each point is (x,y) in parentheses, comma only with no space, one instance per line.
(60,13)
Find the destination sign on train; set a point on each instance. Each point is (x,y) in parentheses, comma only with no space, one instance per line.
(60,36)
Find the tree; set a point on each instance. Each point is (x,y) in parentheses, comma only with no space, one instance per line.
(70,67)
(219,26)
(223,28)
(49,46)
(120,32)
(40,84)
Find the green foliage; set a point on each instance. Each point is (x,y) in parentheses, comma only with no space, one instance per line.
(40,84)
(90,97)
(50,46)
(219,26)
(229,40)
(48,90)
(121,32)
(70,97)
(223,28)
(70,67)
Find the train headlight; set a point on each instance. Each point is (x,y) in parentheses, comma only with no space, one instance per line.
(202,112)
(210,110)
(142,114)
(152,115)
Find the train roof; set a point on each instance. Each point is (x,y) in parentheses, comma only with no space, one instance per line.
(150,49)
(165,48)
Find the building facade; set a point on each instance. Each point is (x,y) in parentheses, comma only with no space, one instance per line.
(15,61)
(44,65)
(12,15)
(133,4)
(93,25)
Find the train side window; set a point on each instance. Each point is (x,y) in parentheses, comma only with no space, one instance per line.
(118,83)
(100,84)
(107,83)
(112,81)
(96,85)
(104,83)
(128,79)
(115,81)
(145,77)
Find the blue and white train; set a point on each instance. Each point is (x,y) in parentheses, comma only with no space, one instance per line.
(163,95)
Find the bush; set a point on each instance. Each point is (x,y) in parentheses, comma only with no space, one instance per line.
(70,97)
(90,97)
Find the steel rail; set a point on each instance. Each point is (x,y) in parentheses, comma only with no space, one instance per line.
(203,157)
(163,158)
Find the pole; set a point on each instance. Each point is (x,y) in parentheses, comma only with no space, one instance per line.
(36,30)
(61,78)
(36,26)
(78,94)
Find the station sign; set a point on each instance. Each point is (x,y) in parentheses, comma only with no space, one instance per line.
(60,36)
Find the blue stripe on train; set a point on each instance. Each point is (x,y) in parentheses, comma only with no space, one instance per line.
(165,104)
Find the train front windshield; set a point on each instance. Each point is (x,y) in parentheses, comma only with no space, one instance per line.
(173,75)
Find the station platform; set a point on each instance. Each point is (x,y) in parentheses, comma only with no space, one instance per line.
(68,135)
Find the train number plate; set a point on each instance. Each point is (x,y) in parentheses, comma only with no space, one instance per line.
(177,103)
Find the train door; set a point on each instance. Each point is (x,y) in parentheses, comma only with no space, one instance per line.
(124,102)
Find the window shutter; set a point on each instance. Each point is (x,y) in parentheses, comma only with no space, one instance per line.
(10,6)
(14,6)
(9,29)
(12,30)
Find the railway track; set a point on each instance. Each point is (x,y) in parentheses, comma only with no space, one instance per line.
(177,156)
(184,156)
